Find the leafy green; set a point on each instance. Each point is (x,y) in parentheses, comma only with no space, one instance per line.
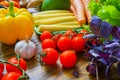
(94,7)
(108,10)
(115,3)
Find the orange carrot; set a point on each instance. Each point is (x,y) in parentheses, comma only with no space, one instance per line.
(72,9)
(80,13)
(87,11)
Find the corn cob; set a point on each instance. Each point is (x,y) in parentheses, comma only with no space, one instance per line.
(58,27)
(51,12)
(55,20)
(69,23)
(36,17)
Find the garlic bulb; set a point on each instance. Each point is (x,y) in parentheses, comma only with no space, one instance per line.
(26,49)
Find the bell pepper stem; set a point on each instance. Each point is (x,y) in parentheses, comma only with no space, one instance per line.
(11,10)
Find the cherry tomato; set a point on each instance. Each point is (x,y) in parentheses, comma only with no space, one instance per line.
(1,66)
(56,37)
(48,43)
(51,56)
(1,0)
(11,76)
(45,35)
(14,60)
(5,3)
(68,58)
(78,43)
(68,32)
(16,4)
(64,43)
(0,74)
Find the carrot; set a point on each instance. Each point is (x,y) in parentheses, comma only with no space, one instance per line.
(80,13)
(72,9)
(87,11)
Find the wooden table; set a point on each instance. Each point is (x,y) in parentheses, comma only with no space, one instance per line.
(55,72)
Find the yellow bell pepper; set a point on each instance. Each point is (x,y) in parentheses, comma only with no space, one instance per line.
(15,24)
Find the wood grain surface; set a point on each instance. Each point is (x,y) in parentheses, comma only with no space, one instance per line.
(54,72)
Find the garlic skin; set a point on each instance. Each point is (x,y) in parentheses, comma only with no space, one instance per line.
(26,49)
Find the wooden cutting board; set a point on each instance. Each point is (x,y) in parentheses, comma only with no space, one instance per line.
(55,72)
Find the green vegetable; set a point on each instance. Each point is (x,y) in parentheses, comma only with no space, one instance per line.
(55,5)
(108,10)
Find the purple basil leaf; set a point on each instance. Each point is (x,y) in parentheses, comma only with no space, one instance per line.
(98,49)
(116,54)
(106,56)
(107,70)
(112,46)
(95,25)
(116,33)
(105,29)
(102,60)
(89,36)
(91,68)
(93,53)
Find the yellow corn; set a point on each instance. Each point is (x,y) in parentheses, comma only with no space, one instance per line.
(55,20)
(58,27)
(69,23)
(37,17)
(52,12)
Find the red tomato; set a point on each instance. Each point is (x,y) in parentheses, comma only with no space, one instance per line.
(0,74)
(51,56)
(78,43)
(1,66)
(56,37)
(1,0)
(69,33)
(14,60)
(68,58)
(16,4)
(64,43)
(11,76)
(48,43)
(5,3)
(45,35)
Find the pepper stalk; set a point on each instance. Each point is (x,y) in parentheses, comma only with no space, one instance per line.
(11,9)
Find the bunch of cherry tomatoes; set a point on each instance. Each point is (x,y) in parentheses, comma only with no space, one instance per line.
(6,3)
(11,72)
(67,44)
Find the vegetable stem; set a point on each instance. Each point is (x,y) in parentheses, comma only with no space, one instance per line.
(11,10)
(97,77)
(27,39)
(24,73)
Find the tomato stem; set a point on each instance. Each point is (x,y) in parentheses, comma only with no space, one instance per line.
(40,60)
(18,58)
(24,73)
(22,77)
(43,54)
